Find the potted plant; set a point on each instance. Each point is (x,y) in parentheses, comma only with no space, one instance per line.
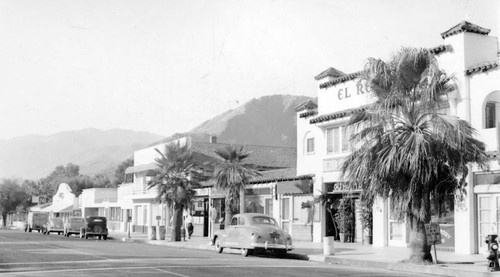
(345,220)
(367,220)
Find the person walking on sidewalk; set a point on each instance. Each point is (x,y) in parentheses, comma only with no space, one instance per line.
(189,225)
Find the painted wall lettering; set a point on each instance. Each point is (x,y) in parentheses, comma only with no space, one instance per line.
(344,93)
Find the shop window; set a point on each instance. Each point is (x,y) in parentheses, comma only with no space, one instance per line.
(115,214)
(490,115)
(443,212)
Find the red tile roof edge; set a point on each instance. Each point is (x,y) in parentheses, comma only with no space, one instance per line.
(482,67)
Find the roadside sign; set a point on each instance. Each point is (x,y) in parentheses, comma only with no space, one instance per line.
(433,233)
(433,236)
(35,200)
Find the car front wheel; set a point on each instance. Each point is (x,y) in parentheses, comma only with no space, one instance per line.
(105,237)
(218,248)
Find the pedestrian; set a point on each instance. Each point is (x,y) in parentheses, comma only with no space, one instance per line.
(189,225)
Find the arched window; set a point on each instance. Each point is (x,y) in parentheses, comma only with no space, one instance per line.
(490,115)
(309,143)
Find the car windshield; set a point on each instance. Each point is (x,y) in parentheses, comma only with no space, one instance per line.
(97,220)
(263,220)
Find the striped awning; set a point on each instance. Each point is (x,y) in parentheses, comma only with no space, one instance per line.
(303,186)
(141,167)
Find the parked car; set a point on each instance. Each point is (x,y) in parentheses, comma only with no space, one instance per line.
(94,226)
(35,221)
(53,225)
(73,225)
(252,232)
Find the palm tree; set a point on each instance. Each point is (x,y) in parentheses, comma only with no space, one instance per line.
(177,176)
(405,148)
(231,175)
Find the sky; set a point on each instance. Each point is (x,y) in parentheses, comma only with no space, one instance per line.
(166,66)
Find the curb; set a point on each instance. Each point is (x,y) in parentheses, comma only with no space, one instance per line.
(441,270)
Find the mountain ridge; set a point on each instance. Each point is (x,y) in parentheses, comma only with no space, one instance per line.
(268,120)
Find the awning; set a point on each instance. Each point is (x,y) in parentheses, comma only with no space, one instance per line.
(59,209)
(303,186)
(141,167)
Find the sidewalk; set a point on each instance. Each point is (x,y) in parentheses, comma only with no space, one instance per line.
(353,254)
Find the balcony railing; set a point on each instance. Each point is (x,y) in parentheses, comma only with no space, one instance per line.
(332,164)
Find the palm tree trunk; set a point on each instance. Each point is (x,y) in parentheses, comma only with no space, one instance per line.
(176,222)
(242,199)
(228,216)
(420,251)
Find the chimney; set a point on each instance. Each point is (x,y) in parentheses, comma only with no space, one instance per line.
(213,139)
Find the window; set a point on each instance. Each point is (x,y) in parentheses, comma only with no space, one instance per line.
(337,140)
(490,115)
(234,221)
(310,145)
(345,139)
(115,214)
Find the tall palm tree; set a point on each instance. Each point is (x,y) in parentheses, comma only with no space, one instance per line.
(405,147)
(177,176)
(231,175)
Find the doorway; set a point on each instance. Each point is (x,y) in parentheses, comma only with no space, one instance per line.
(488,216)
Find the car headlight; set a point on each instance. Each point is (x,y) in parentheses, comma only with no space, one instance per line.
(494,246)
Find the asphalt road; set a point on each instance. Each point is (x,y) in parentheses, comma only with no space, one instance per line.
(33,254)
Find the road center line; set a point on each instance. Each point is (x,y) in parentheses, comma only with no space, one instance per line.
(158,267)
(170,272)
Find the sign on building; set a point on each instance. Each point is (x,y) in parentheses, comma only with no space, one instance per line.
(433,233)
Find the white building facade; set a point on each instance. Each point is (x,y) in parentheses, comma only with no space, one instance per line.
(470,54)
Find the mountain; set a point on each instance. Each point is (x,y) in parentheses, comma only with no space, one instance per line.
(268,120)
(95,151)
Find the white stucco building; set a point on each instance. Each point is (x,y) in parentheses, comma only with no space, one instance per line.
(469,53)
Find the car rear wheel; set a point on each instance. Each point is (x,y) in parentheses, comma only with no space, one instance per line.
(281,253)
(218,248)
(86,236)
(245,252)
(105,237)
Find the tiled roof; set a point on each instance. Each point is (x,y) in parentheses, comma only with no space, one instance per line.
(465,26)
(342,79)
(440,48)
(336,115)
(308,105)
(330,72)
(482,67)
(308,114)
(284,174)
(260,156)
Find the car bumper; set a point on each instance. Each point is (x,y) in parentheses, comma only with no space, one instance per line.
(267,245)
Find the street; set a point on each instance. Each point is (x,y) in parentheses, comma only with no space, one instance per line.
(33,254)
